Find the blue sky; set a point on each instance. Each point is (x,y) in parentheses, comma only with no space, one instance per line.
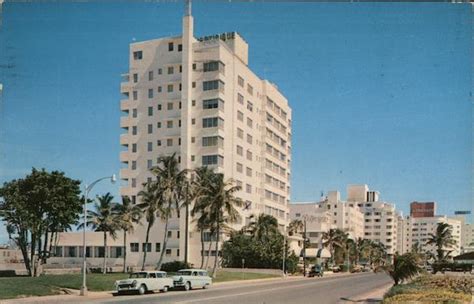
(381,93)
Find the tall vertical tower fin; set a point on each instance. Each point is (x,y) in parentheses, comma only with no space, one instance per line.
(187,8)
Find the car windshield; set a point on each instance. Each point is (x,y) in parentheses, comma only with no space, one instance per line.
(186,273)
(138,275)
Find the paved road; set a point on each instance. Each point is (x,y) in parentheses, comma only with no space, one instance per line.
(305,290)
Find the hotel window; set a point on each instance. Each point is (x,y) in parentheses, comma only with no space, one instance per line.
(160,71)
(134,247)
(193,84)
(248,188)
(146,247)
(169,106)
(193,140)
(169,142)
(134,165)
(150,75)
(249,123)
(149,163)
(134,130)
(168,251)
(138,55)
(239,167)
(180,47)
(249,89)
(193,121)
(150,129)
(158,143)
(249,106)
(212,160)
(240,116)
(240,133)
(249,155)
(170,88)
(210,141)
(159,89)
(159,107)
(194,66)
(211,122)
(179,141)
(170,70)
(249,139)
(212,85)
(180,87)
(158,125)
(150,146)
(150,111)
(135,95)
(170,233)
(157,247)
(134,148)
(193,103)
(134,113)
(134,182)
(170,46)
(240,81)
(150,93)
(180,68)
(249,172)
(210,103)
(135,78)
(240,150)
(193,158)
(240,98)
(179,123)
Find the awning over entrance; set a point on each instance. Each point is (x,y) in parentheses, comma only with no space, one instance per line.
(317,253)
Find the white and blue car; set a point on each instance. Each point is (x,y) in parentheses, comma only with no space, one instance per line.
(188,279)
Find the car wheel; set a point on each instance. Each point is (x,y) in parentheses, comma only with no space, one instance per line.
(205,286)
(142,289)
(187,286)
(165,289)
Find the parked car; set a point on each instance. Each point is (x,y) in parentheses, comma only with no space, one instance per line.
(357,268)
(316,271)
(335,268)
(144,281)
(192,278)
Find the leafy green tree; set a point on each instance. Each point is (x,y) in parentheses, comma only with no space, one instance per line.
(151,205)
(37,207)
(332,239)
(127,215)
(443,240)
(264,227)
(103,219)
(404,267)
(171,183)
(295,227)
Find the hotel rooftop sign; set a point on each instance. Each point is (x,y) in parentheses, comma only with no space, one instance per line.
(223,37)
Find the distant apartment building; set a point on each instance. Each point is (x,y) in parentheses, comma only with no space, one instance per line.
(380,218)
(422,209)
(330,213)
(467,231)
(417,230)
(198,98)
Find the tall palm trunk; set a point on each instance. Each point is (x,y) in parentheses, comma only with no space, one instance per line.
(165,242)
(208,253)
(214,271)
(146,242)
(202,248)
(104,269)
(124,251)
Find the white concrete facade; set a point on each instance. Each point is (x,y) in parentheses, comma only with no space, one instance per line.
(198,98)
(418,230)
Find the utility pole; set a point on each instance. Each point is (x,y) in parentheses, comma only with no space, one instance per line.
(304,247)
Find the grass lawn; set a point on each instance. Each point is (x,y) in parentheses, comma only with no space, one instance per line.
(15,287)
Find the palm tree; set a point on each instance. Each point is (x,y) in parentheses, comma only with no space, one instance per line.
(127,215)
(295,227)
(441,239)
(404,267)
(103,219)
(332,239)
(264,228)
(222,201)
(151,206)
(200,186)
(171,184)
(360,246)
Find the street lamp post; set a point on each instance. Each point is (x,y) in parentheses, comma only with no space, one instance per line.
(304,248)
(87,189)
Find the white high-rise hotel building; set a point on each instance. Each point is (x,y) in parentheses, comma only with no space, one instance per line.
(198,98)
